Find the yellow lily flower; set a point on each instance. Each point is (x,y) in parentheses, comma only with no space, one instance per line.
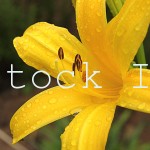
(108,47)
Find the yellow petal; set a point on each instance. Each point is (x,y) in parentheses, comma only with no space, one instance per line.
(127,30)
(45,108)
(89,129)
(91,23)
(133,98)
(39,46)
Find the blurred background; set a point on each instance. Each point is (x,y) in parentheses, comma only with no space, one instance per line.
(130,129)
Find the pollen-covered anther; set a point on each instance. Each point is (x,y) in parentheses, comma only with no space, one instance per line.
(78,62)
(84,76)
(61,53)
(77,57)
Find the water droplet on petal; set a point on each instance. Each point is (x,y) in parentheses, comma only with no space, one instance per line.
(130,93)
(64,109)
(88,39)
(29,105)
(97,123)
(38,122)
(76,129)
(147,14)
(55,112)
(16,118)
(24,115)
(50,92)
(92,6)
(53,100)
(22,109)
(33,127)
(109,118)
(16,124)
(141,106)
(137,28)
(63,145)
(98,29)
(120,32)
(99,14)
(73,143)
(35,115)
(44,107)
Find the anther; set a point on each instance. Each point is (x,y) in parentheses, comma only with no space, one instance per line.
(61,53)
(77,57)
(84,76)
(78,62)
(79,65)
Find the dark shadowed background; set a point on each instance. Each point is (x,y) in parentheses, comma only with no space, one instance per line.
(130,129)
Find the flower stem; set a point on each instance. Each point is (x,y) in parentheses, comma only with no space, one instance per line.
(74,3)
(140,56)
(115,6)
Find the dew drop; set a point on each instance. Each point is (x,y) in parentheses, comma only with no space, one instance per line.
(24,115)
(16,118)
(50,92)
(38,122)
(55,112)
(120,32)
(97,123)
(109,119)
(33,127)
(88,39)
(147,14)
(29,105)
(53,100)
(98,29)
(141,106)
(65,96)
(73,143)
(64,109)
(62,39)
(44,107)
(35,115)
(148,110)
(37,100)
(137,28)
(22,109)
(99,14)
(92,6)
(76,129)
(64,145)
(130,93)
(16,125)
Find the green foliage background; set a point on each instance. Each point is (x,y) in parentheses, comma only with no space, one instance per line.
(15,17)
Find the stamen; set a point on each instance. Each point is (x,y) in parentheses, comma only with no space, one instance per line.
(79,65)
(74,67)
(77,57)
(84,76)
(58,70)
(78,62)
(61,53)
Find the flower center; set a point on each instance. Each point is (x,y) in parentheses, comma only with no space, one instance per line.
(77,66)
